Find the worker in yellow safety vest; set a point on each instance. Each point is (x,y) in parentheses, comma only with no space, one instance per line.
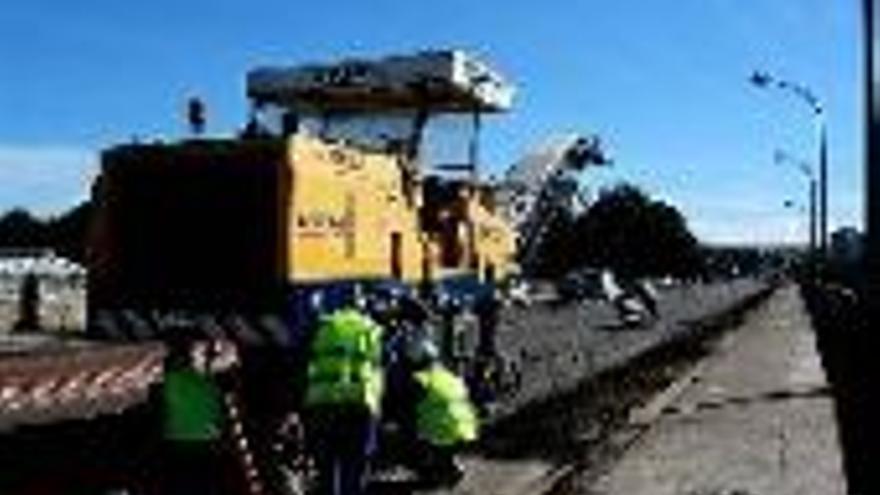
(445,417)
(342,398)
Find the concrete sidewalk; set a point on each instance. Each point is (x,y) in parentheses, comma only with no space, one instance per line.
(755,418)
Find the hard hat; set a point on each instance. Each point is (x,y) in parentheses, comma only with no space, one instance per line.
(421,351)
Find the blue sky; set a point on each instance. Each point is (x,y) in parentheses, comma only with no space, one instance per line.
(664,83)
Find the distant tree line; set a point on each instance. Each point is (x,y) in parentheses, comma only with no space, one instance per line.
(635,235)
(64,233)
(624,230)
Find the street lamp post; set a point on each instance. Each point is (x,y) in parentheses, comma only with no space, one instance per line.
(807,170)
(871,11)
(813,218)
(823,183)
(765,80)
(797,207)
(859,473)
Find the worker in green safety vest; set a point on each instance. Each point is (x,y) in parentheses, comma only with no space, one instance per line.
(342,398)
(193,421)
(444,417)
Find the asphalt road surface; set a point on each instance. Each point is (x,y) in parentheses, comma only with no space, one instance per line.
(576,387)
(558,347)
(576,363)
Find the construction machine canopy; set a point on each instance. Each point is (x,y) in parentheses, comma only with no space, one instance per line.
(434,81)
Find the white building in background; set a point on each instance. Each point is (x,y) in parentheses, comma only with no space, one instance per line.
(44,263)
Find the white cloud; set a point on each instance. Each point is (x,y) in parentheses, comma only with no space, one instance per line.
(742,215)
(45,179)
(765,229)
(732,213)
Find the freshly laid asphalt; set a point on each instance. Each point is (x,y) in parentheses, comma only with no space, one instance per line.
(557,347)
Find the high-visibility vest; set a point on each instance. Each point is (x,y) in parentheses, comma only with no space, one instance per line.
(445,416)
(192,406)
(345,363)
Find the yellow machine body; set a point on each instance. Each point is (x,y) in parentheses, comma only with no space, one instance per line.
(236,223)
(324,188)
(351,216)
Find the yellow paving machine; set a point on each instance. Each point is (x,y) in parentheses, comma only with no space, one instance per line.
(351,174)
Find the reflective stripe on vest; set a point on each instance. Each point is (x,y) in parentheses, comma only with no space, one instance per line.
(445,416)
(345,367)
(193,410)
